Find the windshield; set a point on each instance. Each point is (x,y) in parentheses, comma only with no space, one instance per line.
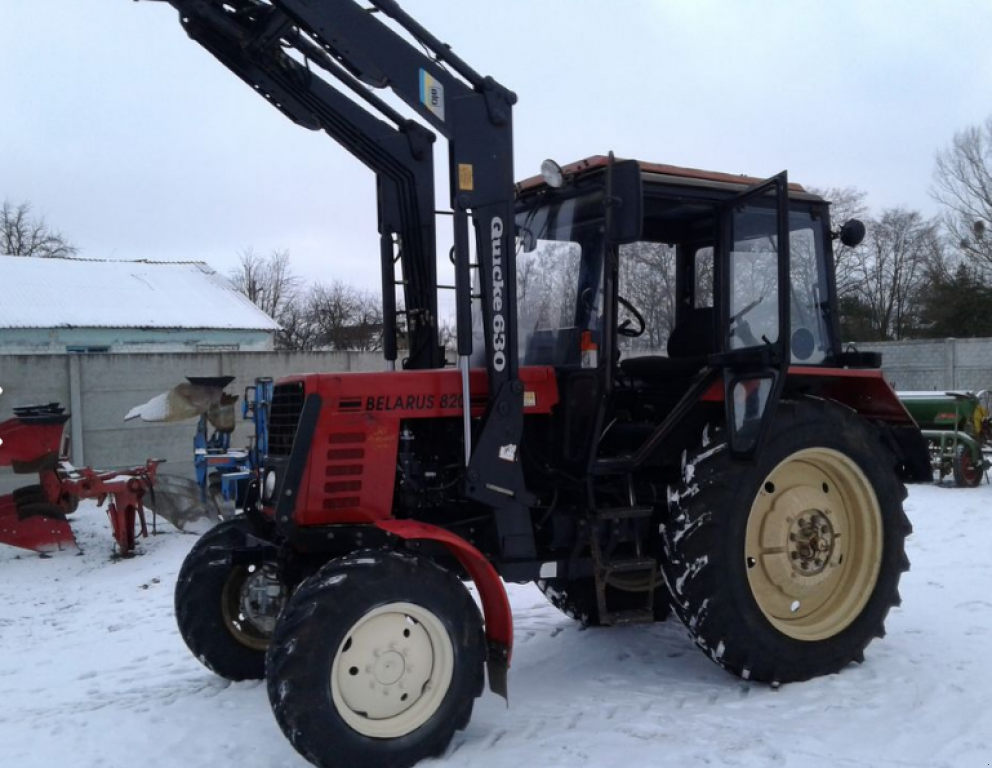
(559,279)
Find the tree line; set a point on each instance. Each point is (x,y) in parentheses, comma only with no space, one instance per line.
(335,315)
(911,277)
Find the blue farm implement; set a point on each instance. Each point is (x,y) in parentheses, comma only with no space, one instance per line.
(222,472)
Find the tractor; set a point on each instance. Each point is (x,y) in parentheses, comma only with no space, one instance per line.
(730,464)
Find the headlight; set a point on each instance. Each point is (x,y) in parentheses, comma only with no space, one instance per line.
(269,487)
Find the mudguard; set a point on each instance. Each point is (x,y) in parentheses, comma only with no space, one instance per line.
(495,603)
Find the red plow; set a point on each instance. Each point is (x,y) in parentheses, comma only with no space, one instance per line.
(34,517)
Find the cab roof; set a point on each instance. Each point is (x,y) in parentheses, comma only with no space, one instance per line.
(659,172)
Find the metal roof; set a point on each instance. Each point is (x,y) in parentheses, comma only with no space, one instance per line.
(677,172)
(89,293)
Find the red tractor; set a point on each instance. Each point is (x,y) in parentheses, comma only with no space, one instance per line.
(726,462)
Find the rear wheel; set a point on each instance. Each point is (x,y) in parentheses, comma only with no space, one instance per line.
(226,613)
(785,569)
(377,660)
(967,474)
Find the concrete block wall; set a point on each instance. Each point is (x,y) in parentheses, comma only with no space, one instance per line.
(936,364)
(99,390)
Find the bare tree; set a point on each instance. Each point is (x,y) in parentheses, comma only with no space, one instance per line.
(267,281)
(297,331)
(344,317)
(889,271)
(962,183)
(647,280)
(23,235)
(845,203)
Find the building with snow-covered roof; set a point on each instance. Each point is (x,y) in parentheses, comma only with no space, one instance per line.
(64,305)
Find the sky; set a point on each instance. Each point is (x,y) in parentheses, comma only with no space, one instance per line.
(134,142)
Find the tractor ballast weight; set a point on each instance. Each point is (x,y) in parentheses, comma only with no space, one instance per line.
(733,466)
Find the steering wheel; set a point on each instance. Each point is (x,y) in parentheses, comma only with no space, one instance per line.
(624,328)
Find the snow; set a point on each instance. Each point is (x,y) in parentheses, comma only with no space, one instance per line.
(121,294)
(94,674)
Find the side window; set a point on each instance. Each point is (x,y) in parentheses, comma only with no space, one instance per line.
(647,281)
(703,289)
(753,279)
(809,326)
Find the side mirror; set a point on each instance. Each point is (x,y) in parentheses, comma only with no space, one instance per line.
(627,193)
(852,233)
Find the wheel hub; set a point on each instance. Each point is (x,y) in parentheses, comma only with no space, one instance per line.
(811,542)
(262,599)
(389,669)
(385,666)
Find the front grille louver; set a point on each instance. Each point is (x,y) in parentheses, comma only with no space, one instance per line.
(284,417)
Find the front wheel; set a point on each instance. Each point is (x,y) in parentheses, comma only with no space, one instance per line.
(785,569)
(226,613)
(377,660)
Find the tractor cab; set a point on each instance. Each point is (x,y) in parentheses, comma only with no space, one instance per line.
(640,283)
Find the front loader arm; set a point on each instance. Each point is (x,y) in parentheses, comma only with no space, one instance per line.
(254,46)
(273,46)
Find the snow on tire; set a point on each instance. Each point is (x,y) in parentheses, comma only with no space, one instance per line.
(377,660)
(785,568)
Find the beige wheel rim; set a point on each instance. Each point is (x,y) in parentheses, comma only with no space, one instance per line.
(392,670)
(813,546)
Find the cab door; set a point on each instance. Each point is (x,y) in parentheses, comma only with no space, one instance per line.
(753,297)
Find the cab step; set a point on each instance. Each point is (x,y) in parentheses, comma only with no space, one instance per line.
(629,565)
(624,513)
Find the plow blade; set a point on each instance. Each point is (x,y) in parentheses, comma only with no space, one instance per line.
(190,399)
(34,524)
(177,499)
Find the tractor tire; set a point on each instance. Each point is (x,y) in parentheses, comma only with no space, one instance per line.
(341,680)
(29,494)
(576,598)
(213,606)
(784,568)
(966,474)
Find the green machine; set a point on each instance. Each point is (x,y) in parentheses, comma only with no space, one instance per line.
(957,426)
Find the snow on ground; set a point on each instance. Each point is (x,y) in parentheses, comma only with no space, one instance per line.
(94,673)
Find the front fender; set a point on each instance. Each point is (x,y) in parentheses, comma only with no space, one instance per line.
(495,603)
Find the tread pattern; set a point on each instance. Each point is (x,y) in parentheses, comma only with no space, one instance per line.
(198,596)
(707,512)
(322,609)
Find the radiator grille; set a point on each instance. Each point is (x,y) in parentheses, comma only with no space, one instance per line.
(284,417)
(344,470)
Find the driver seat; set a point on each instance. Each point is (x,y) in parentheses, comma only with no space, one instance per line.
(690,343)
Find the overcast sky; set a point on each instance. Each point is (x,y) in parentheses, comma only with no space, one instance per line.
(136,143)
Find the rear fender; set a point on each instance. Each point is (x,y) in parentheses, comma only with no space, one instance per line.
(495,603)
(868,393)
(865,391)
